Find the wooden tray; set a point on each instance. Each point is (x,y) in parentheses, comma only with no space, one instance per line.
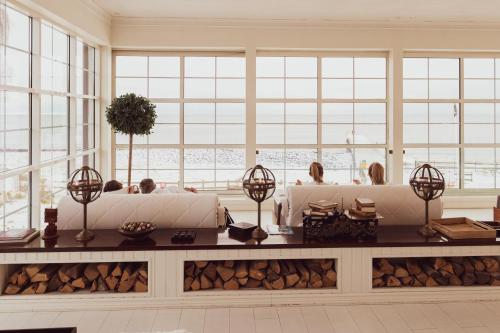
(463,228)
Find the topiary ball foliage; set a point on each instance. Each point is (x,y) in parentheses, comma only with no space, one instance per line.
(131,114)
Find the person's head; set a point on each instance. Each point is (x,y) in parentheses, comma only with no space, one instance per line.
(376,173)
(147,185)
(112,185)
(316,172)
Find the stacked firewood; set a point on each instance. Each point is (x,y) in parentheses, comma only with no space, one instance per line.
(67,278)
(434,272)
(264,274)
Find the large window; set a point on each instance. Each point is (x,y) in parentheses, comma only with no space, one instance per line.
(326,108)
(450,118)
(199,136)
(47,114)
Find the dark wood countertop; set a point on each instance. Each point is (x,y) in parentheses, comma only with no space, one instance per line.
(213,239)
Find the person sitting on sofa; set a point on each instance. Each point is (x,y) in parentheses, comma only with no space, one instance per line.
(376,173)
(147,185)
(316,172)
(117,187)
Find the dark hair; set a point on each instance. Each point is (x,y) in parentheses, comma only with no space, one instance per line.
(316,171)
(147,185)
(376,173)
(112,185)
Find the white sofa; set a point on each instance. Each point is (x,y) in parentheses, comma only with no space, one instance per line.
(166,210)
(398,204)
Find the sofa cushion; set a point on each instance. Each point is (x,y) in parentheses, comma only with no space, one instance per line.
(398,204)
(183,210)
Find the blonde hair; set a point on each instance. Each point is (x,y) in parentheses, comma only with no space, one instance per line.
(376,173)
(316,171)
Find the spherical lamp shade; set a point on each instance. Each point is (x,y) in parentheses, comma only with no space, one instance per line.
(85,185)
(259,185)
(428,184)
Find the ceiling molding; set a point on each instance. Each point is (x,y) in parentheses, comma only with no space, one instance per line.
(100,12)
(287,23)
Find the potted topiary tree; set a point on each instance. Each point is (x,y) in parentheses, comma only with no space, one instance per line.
(131,115)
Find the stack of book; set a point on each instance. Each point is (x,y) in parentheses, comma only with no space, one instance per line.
(18,236)
(320,208)
(364,208)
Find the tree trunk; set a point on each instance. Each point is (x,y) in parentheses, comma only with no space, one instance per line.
(130,141)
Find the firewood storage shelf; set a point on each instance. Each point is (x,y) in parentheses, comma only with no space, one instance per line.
(87,279)
(435,272)
(166,260)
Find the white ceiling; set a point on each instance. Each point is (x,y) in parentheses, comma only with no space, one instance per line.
(419,11)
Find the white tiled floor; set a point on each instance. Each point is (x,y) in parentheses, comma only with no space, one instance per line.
(480,317)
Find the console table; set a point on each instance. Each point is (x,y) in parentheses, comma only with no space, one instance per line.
(166,262)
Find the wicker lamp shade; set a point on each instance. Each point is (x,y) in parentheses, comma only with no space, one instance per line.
(259,185)
(428,184)
(85,185)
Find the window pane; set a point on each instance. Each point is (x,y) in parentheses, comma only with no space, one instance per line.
(337,134)
(230,159)
(370,88)
(17,27)
(443,133)
(60,46)
(301,67)
(270,88)
(199,88)
(162,158)
(271,158)
(337,88)
(301,134)
(160,67)
(443,113)
(230,88)
(479,168)
(132,66)
(16,197)
(414,133)
(17,68)
(199,134)
(415,68)
(443,68)
(479,133)
(167,113)
(300,159)
(337,67)
(17,109)
(231,67)
(479,113)
(302,113)
(415,89)
(479,88)
(199,66)
(270,113)
(164,88)
(415,113)
(369,134)
(301,88)
(131,85)
(337,113)
(199,158)
(164,134)
(479,68)
(230,113)
(369,67)
(16,149)
(270,134)
(270,67)
(230,134)
(443,89)
(199,113)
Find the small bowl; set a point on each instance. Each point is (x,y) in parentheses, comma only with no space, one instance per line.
(137,235)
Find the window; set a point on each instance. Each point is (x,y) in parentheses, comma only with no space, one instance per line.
(452,128)
(201,119)
(323,108)
(15,123)
(39,137)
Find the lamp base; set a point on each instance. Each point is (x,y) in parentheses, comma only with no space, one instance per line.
(427,231)
(259,233)
(84,236)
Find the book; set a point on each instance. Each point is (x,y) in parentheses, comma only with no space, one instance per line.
(356,212)
(366,209)
(323,204)
(22,241)
(365,202)
(15,234)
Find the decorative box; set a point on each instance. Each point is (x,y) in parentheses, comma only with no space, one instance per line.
(339,226)
(241,230)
